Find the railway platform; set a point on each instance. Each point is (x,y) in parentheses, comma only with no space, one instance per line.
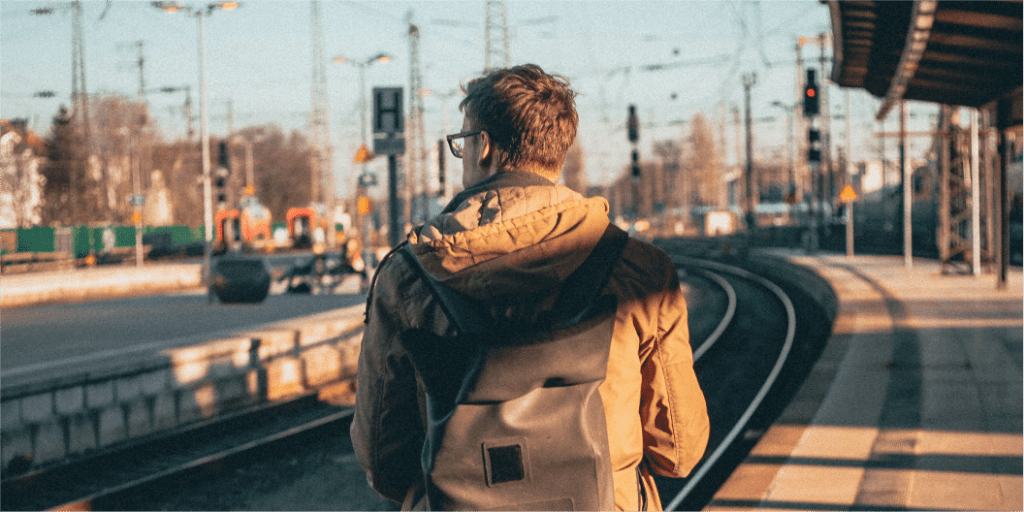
(914,404)
(92,283)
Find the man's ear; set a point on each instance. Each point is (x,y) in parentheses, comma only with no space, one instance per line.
(486,150)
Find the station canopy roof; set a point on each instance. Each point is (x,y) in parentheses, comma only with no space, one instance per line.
(965,53)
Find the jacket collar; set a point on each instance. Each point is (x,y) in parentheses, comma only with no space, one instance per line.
(501,179)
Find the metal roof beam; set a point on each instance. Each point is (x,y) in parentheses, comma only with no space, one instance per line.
(921,20)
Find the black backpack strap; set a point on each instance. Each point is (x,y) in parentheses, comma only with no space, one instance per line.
(373,280)
(466,313)
(585,284)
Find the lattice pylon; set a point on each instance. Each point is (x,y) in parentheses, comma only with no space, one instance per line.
(496,52)
(322,179)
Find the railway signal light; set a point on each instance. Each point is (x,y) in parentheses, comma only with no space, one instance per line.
(635,165)
(221,181)
(814,145)
(223,157)
(811,101)
(632,125)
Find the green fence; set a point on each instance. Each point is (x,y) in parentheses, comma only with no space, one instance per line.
(37,239)
(86,239)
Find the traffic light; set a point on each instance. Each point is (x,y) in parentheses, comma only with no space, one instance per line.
(223,157)
(814,145)
(633,125)
(635,166)
(811,102)
(220,180)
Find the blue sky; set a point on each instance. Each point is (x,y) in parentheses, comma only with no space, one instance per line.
(258,58)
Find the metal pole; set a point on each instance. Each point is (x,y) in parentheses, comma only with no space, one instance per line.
(136,207)
(991,157)
(828,193)
(790,143)
(394,230)
(908,188)
(748,81)
(849,229)
(975,197)
(1006,156)
(799,126)
(363,221)
(205,135)
(946,112)
(362,104)
(250,175)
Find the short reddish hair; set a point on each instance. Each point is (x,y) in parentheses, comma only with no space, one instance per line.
(529,115)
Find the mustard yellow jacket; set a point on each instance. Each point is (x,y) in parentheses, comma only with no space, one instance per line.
(511,241)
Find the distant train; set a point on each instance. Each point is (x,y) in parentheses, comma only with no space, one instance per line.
(246,228)
(308,228)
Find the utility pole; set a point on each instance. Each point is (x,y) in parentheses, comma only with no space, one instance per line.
(907,185)
(811,104)
(79,116)
(320,122)
(826,131)
(749,80)
(495,35)
(139,62)
(800,125)
(415,157)
(633,134)
(136,144)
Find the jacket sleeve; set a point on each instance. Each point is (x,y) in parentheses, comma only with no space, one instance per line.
(672,410)
(387,432)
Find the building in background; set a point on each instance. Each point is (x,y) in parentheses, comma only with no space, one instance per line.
(21,183)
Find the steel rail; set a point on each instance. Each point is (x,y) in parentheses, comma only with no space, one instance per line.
(205,461)
(730,312)
(709,462)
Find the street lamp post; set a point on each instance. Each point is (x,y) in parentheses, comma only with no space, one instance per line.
(361,220)
(199,14)
(749,80)
(383,58)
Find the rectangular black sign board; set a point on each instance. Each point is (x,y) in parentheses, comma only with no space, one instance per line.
(387,111)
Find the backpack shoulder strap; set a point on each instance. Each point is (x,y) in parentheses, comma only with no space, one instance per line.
(373,280)
(461,309)
(585,284)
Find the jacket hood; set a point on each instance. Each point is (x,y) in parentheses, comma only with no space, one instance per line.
(511,240)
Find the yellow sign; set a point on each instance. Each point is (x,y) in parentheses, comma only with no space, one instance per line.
(848,194)
(365,205)
(363,155)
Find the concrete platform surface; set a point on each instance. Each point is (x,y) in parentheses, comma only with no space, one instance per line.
(29,288)
(915,403)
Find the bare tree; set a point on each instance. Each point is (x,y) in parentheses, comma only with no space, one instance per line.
(118,140)
(70,195)
(670,154)
(704,163)
(21,183)
(282,168)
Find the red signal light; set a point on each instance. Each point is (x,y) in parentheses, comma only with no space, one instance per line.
(810,92)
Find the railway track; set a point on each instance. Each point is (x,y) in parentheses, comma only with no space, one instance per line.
(749,337)
(135,476)
(737,364)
